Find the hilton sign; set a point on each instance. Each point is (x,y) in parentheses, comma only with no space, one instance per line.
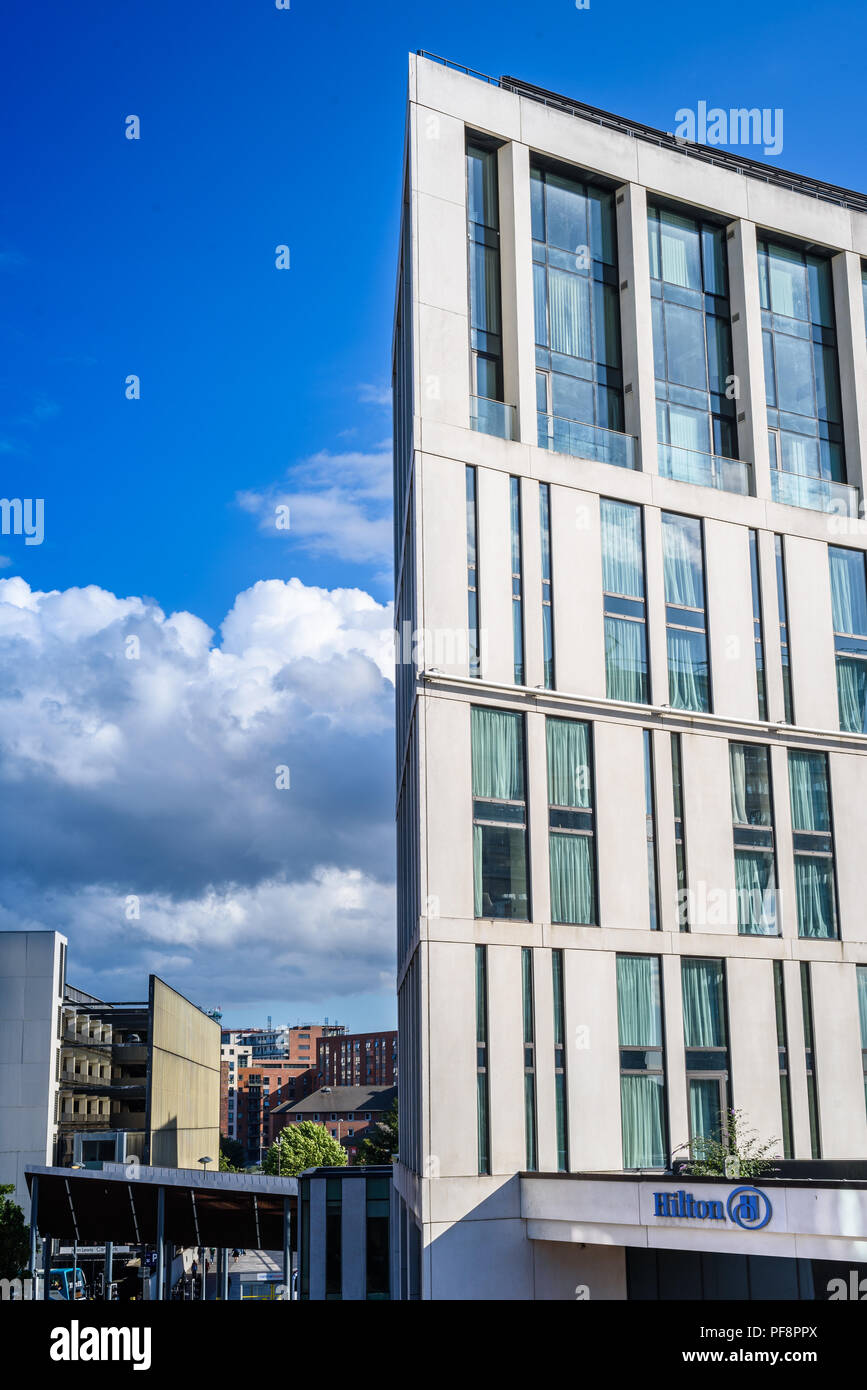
(746,1207)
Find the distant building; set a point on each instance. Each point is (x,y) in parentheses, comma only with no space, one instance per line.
(84,1081)
(358,1059)
(290,1043)
(349,1113)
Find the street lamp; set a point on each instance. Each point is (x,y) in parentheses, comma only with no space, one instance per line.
(204,1162)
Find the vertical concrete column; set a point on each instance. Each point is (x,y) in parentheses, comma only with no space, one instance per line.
(516,276)
(852,354)
(775,697)
(657,638)
(543,1012)
(663,798)
(748,360)
(797,1065)
(787,907)
(675,1055)
(636,327)
(537,806)
(531,556)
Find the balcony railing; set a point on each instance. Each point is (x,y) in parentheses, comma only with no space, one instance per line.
(586,441)
(492,417)
(818,494)
(707,470)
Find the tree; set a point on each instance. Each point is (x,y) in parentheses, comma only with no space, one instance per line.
(382,1144)
(297,1147)
(231,1155)
(736,1155)
(14,1235)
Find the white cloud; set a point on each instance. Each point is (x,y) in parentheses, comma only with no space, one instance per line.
(138,757)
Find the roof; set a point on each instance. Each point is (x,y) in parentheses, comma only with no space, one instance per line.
(119,1203)
(340,1099)
(752,168)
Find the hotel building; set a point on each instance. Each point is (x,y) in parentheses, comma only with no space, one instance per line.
(630,383)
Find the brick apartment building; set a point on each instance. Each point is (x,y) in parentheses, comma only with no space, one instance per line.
(349,1113)
(358,1059)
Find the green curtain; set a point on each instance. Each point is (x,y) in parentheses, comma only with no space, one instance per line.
(625,660)
(622,553)
(861,973)
(569,774)
(571,858)
(498,755)
(754,881)
(808,788)
(639,1014)
(641,1111)
(814,889)
(704,1108)
(682,560)
(703,1003)
(852,694)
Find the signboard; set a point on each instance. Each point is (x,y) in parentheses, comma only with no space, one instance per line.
(746,1207)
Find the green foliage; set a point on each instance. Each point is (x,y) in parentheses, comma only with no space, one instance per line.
(14,1235)
(382,1144)
(308,1145)
(231,1155)
(738,1150)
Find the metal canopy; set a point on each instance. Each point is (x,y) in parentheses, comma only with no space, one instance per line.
(119,1203)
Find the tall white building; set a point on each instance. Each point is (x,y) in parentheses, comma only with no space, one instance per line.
(630,436)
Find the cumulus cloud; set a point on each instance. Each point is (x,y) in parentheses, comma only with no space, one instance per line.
(139,759)
(338,504)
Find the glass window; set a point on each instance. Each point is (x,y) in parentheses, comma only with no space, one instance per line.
(753,827)
(696,411)
(333,1238)
(810,1060)
(849,609)
(378,1204)
(499,815)
(642,1062)
(624,606)
(679,832)
(813,844)
(560,1100)
(650,821)
(529,1057)
(783,1053)
(482,1094)
(472,575)
(571,835)
(547,590)
(686,621)
(784,629)
(705,1034)
(577,306)
(758,631)
(802,376)
(517,579)
(483,224)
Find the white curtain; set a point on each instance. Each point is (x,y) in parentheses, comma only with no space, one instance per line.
(569,297)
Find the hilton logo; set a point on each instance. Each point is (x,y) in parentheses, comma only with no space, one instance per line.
(746,1207)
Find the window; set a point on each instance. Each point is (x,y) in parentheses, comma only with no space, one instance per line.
(679,833)
(624,605)
(861,979)
(813,844)
(691,339)
(758,631)
(483,223)
(529,1057)
(753,828)
(482,1110)
(333,1238)
(784,629)
(517,579)
(849,609)
(560,1100)
(499,815)
(705,1035)
(547,592)
(650,822)
(571,839)
(579,371)
(783,1053)
(802,382)
(686,622)
(810,1061)
(473,575)
(642,1062)
(378,1201)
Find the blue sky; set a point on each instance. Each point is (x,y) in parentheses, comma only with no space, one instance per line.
(156,257)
